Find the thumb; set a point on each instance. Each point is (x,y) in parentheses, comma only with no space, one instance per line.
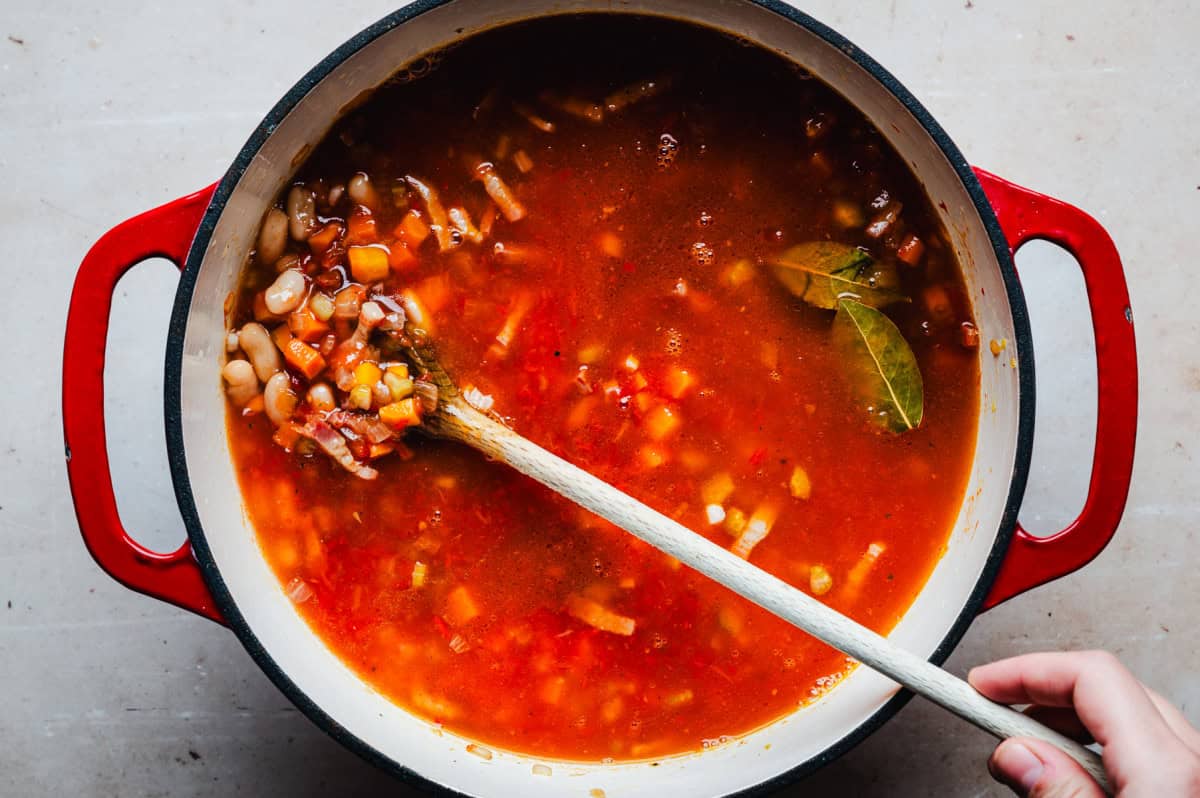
(1039,770)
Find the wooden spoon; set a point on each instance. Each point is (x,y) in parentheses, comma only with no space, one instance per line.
(455,419)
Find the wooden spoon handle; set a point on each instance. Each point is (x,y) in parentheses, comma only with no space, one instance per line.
(461,422)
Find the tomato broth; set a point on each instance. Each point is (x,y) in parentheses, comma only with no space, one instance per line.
(600,221)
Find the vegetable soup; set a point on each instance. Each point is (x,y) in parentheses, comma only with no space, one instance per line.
(683,264)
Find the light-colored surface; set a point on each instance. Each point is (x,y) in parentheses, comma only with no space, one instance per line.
(108,113)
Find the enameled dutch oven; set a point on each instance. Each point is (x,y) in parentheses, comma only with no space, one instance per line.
(221,574)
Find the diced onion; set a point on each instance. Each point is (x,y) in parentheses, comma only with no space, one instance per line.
(600,617)
(715,513)
(298,591)
(757,529)
(478,399)
(427,394)
(479,751)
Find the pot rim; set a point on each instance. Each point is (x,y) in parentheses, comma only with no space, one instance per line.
(173,408)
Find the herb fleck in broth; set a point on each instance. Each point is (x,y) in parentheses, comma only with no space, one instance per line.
(593,238)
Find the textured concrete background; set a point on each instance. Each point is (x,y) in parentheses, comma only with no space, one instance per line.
(104,113)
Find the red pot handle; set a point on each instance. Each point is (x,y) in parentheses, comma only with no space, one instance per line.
(165,232)
(1026,215)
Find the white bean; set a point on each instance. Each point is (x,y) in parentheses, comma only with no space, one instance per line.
(286,293)
(279,400)
(257,344)
(320,397)
(335,195)
(241,384)
(362,192)
(302,213)
(272,236)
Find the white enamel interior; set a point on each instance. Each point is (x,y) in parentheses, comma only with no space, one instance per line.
(412,742)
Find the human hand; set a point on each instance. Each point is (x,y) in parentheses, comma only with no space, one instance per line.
(1150,749)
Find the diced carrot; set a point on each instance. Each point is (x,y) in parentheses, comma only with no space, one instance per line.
(261,313)
(303,358)
(285,437)
(400,257)
(661,422)
(578,416)
(369,264)
(911,250)
(281,335)
(460,607)
(367,373)
(800,486)
(419,315)
(678,382)
(380,450)
(651,456)
(323,239)
(970,335)
(254,406)
(640,382)
(644,403)
(434,291)
(717,489)
(401,414)
(398,370)
(361,227)
(412,229)
(305,326)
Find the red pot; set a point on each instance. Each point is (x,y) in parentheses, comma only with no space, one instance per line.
(219,572)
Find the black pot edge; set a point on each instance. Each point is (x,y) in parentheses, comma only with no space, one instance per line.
(174,419)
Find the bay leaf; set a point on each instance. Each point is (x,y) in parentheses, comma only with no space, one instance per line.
(880,365)
(820,272)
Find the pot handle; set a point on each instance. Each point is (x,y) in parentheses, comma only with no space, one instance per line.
(167,232)
(1026,215)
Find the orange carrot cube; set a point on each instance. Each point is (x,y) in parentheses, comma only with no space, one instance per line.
(398,415)
(678,382)
(412,229)
(369,264)
(461,607)
(281,335)
(367,373)
(303,358)
(400,257)
(361,227)
(261,313)
(323,239)
(305,326)
(661,422)
(910,250)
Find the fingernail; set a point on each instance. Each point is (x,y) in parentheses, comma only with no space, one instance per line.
(1018,765)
